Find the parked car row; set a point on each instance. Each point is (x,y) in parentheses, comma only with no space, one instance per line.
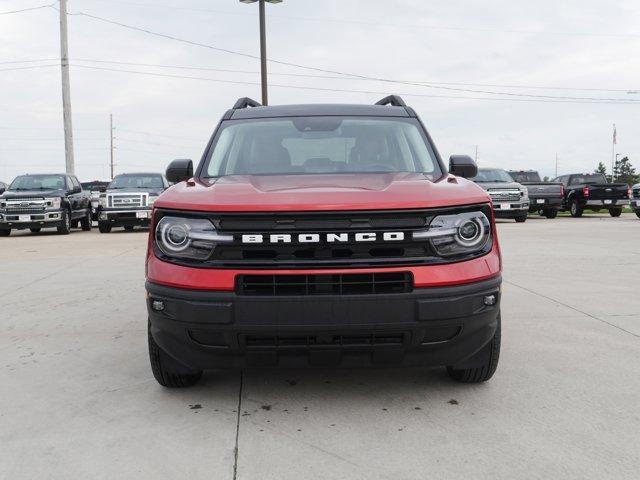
(60,201)
(514,193)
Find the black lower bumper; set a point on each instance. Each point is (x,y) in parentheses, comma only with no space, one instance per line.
(511,213)
(32,224)
(547,203)
(429,326)
(124,219)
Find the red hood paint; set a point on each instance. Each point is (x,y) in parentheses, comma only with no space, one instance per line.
(369,191)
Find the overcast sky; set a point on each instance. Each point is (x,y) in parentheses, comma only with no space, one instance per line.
(570,45)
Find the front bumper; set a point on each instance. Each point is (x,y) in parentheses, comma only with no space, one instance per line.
(635,204)
(429,326)
(46,219)
(123,218)
(510,209)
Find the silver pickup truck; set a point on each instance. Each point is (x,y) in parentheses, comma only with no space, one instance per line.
(635,199)
(509,198)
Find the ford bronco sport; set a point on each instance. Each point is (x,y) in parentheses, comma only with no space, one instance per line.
(322,235)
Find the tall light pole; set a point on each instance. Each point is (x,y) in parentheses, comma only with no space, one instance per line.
(66,90)
(111,129)
(263,46)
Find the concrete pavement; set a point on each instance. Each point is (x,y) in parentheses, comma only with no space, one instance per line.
(78,399)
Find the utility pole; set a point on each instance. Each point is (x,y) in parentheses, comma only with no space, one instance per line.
(476,157)
(66,90)
(111,142)
(556,164)
(263,45)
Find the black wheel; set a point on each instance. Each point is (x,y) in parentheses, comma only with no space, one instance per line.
(551,212)
(85,223)
(168,371)
(488,362)
(35,230)
(129,228)
(575,209)
(521,218)
(65,228)
(5,232)
(638,213)
(104,227)
(615,212)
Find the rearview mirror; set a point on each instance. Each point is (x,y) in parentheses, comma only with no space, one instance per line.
(180,170)
(462,166)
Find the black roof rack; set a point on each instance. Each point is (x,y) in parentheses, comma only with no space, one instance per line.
(245,102)
(393,100)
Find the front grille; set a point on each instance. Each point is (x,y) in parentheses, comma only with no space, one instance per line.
(126,200)
(505,195)
(326,284)
(636,193)
(16,210)
(325,251)
(293,341)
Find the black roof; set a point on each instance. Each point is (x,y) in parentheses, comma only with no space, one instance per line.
(323,109)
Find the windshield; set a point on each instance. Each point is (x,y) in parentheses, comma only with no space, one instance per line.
(317,145)
(38,182)
(492,175)
(137,181)
(525,176)
(588,179)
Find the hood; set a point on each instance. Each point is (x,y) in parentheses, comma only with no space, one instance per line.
(321,192)
(33,193)
(498,185)
(131,191)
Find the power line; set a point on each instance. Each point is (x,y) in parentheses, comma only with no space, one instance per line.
(353,75)
(337,77)
(379,24)
(28,9)
(300,87)
(30,67)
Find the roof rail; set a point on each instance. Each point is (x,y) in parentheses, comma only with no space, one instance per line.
(245,102)
(393,100)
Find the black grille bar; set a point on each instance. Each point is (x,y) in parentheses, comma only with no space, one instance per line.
(293,341)
(325,284)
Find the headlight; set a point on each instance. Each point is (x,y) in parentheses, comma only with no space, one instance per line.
(457,234)
(103,200)
(152,198)
(192,238)
(53,202)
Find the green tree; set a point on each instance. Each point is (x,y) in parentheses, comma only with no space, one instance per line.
(601,168)
(624,172)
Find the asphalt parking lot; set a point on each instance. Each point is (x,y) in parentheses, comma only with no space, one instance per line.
(79,401)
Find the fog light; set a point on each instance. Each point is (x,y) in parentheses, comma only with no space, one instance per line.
(489,300)
(157,305)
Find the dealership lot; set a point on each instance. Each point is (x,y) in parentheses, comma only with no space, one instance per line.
(79,400)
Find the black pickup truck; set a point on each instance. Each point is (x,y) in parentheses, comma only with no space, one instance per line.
(44,201)
(544,197)
(592,191)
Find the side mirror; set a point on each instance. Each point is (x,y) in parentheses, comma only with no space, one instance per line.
(462,166)
(179,170)
(2,189)
(75,190)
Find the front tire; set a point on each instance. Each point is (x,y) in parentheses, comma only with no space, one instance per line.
(7,232)
(550,213)
(575,209)
(104,227)
(129,228)
(521,218)
(638,213)
(615,212)
(167,371)
(35,230)
(85,223)
(65,228)
(489,355)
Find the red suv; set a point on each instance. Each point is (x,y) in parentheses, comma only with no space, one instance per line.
(322,235)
